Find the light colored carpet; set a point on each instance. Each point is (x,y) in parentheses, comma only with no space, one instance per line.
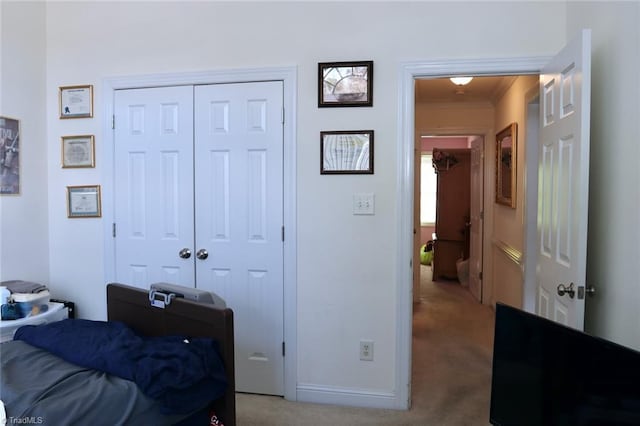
(451,379)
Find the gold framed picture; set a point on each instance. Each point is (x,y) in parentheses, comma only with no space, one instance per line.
(78,151)
(76,101)
(83,201)
(506,171)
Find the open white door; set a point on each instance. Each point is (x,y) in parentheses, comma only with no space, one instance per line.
(563,183)
(476,231)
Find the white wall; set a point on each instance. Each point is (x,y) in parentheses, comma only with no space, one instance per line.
(509,223)
(24,241)
(346,264)
(614,198)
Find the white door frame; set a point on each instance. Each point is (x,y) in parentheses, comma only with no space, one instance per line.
(288,75)
(530,171)
(408,72)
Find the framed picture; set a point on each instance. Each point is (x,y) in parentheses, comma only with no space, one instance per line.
(344,84)
(346,152)
(76,101)
(9,156)
(78,151)
(506,170)
(83,201)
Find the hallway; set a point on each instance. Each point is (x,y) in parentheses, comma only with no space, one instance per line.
(447,309)
(452,349)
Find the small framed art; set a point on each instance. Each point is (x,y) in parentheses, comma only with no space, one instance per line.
(346,152)
(78,151)
(9,156)
(345,84)
(83,201)
(76,101)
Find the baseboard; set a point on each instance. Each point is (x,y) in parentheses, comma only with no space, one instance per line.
(346,396)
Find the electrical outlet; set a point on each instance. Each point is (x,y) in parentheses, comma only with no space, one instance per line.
(366,350)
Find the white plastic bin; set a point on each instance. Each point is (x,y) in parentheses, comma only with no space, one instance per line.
(31,304)
(462,267)
(56,312)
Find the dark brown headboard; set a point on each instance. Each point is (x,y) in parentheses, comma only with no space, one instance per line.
(182,317)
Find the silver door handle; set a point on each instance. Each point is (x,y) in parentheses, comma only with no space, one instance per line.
(185,253)
(562,290)
(202,254)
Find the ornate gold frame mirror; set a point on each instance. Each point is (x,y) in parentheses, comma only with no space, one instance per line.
(506,160)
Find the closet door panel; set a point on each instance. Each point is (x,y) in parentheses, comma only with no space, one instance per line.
(153,194)
(239,217)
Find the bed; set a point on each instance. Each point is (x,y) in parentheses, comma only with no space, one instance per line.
(39,386)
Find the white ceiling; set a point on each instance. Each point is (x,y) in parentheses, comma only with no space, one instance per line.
(480,89)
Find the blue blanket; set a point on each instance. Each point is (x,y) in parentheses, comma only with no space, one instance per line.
(183,374)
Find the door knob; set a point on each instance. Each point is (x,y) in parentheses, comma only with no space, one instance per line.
(562,290)
(202,254)
(185,253)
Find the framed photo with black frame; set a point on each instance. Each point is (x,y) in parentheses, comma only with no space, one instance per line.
(346,152)
(345,84)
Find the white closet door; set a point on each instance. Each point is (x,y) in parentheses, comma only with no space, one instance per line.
(239,218)
(154,185)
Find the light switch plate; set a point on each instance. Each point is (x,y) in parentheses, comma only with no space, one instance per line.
(364,203)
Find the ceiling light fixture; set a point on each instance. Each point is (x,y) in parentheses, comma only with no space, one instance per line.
(460,81)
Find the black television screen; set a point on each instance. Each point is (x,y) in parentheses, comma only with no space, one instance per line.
(548,374)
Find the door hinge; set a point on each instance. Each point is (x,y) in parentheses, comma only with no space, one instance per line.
(482,215)
(480,275)
(282,348)
(282,115)
(283,233)
(113,122)
(113,229)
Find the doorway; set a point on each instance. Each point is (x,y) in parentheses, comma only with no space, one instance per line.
(410,72)
(454,209)
(452,113)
